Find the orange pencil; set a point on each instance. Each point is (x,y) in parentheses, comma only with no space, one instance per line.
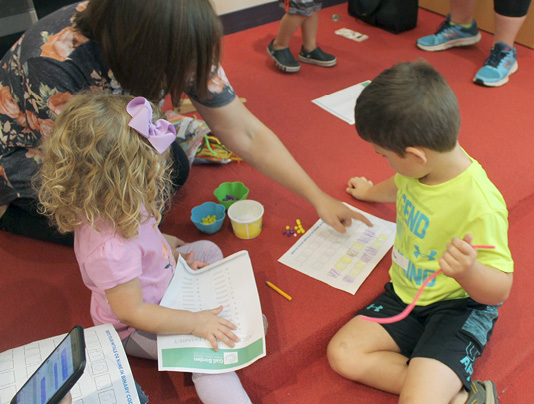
(275,288)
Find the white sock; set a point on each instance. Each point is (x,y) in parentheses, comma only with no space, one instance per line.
(222,388)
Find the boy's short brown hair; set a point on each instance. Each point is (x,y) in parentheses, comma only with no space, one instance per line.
(409,105)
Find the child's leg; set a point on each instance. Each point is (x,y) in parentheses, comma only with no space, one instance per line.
(431,381)
(309,32)
(224,388)
(371,353)
(310,52)
(288,26)
(204,250)
(141,345)
(298,13)
(365,352)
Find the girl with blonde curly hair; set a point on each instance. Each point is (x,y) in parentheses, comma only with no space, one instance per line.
(105,176)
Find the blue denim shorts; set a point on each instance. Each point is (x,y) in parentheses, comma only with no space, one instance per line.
(301,7)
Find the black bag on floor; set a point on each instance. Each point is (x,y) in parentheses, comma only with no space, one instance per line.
(392,15)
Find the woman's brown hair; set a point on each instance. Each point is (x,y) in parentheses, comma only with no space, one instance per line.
(156,47)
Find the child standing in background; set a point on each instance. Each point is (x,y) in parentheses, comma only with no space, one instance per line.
(106,177)
(303,14)
(444,201)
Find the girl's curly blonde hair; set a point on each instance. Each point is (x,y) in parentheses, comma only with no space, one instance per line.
(95,167)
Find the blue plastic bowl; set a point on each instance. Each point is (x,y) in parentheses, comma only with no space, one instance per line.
(208,209)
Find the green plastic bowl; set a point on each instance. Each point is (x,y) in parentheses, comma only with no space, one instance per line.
(230,192)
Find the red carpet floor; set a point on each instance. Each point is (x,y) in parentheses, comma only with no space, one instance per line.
(43,295)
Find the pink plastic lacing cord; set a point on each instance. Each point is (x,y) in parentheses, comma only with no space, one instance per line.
(409,308)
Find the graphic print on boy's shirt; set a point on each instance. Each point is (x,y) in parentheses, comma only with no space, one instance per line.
(412,224)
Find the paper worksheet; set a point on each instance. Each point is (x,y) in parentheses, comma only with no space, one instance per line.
(107,377)
(341,260)
(342,103)
(230,283)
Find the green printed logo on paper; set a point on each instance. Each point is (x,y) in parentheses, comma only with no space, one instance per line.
(207,358)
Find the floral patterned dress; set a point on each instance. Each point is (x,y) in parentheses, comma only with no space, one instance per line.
(38,75)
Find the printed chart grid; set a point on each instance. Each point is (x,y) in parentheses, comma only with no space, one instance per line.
(341,260)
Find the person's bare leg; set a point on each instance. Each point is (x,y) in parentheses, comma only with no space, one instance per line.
(309,32)
(430,381)
(462,11)
(506,28)
(288,26)
(365,352)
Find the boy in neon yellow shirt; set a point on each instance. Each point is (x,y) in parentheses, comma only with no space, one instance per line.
(445,203)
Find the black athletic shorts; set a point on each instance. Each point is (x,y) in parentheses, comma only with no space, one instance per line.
(453,332)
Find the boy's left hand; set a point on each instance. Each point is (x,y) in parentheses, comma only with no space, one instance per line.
(459,257)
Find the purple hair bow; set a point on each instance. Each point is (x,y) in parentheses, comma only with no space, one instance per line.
(160,134)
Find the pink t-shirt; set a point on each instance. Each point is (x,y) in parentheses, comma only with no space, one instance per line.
(106,260)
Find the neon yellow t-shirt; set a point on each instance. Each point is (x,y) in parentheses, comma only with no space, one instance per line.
(429,216)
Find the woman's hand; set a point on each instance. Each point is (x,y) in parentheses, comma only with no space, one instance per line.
(209,325)
(338,215)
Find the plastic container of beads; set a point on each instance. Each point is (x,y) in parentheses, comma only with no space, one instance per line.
(247,218)
(230,192)
(208,217)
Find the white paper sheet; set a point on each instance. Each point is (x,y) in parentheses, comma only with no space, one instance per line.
(341,260)
(107,377)
(230,283)
(342,103)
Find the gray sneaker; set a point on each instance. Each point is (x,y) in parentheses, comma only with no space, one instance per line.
(317,57)
(482,393)
(283,59)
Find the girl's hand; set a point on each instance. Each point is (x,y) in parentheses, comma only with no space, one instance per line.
(459,257)
(358,187)
(193,263)
(212,327)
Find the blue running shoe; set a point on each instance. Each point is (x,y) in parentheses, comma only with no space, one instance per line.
(497,68)
(450,35)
